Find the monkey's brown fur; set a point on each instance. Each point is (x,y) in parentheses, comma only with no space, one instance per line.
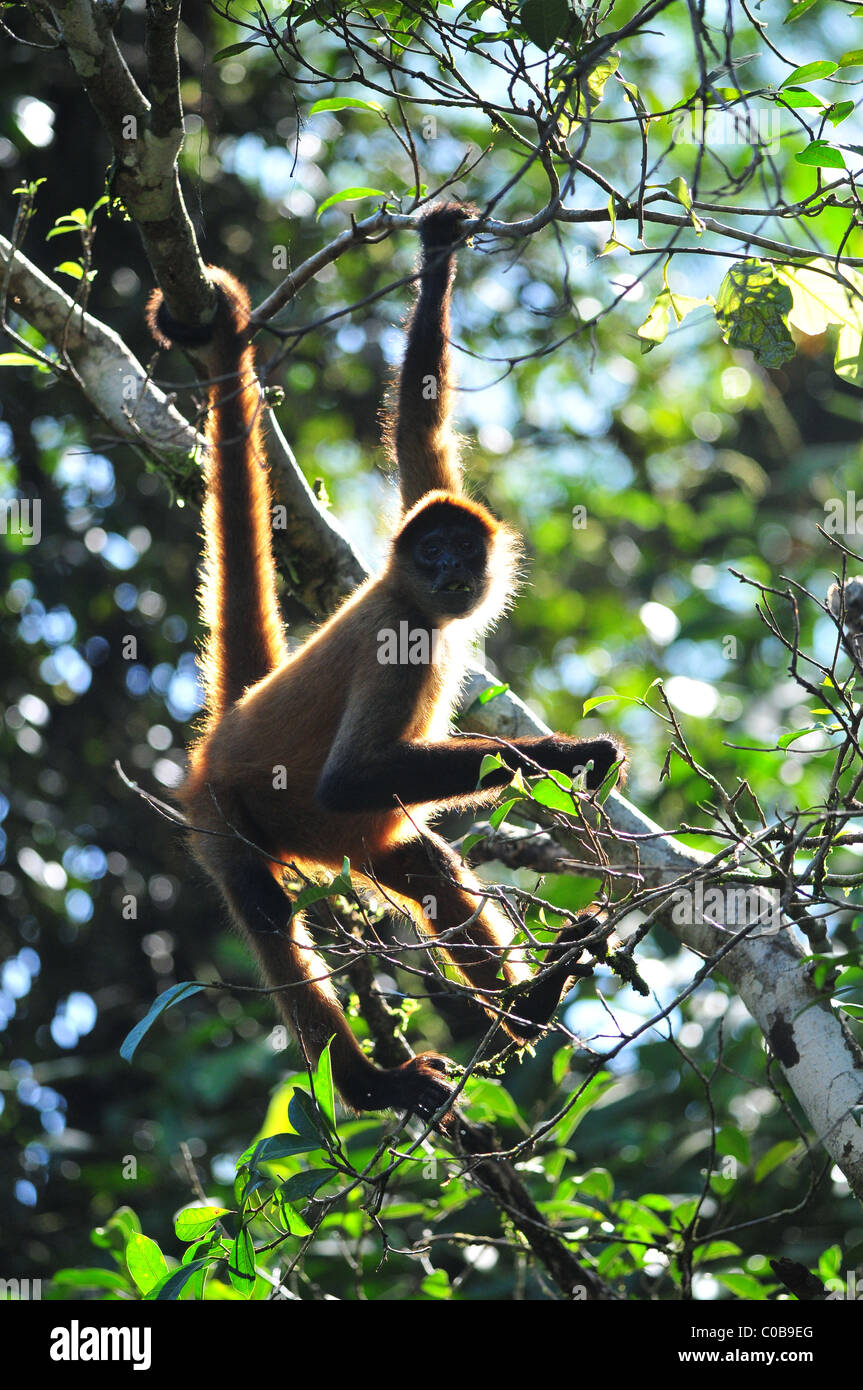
(355,737)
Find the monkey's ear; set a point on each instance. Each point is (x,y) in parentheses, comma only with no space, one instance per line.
(442,225)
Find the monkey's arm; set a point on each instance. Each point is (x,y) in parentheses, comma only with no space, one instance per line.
(239,607)
(421,434)
(357,779)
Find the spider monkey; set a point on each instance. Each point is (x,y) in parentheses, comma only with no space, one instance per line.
(359,739)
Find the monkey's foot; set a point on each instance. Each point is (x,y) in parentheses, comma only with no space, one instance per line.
(419,1086)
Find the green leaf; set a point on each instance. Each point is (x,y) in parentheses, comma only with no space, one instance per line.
(718,1250)
(78,218)
(594,1091)
(752,312)
(544,21)
(304,1116)
(491,693)
(546,792)
(798,8)
(666,306)
(798,98)
(336,887)
(194,1222)
(810,72)
(594,701)
(785,740)
(821,155)
(18,359)
(492,762)
(146,1263)
(743,1285)
(774,1158)
(289,1218)
(500,813)
(684,1212)
(437,1285)
(166,1000)
(469,841)
(596,1182)
(172,1287)
(70,268)
(241,1263)
(730,1140)
(233,50)
(819,300)
(348,195)
(494,1099)
(680,188)
(117,1230)
(323,1086)
(341,103)
(838,112)
(598,77)
(281,1146)
(306,1184)
(852,59)
(830,1262)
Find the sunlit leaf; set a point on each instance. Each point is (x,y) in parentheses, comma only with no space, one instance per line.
(341,103)
(193,1222)
(173,1286)
(810,72)
(146,1263)
(774,1158)
(241,1263)
(348,195)
(752,309)
(822,155)
(18,359)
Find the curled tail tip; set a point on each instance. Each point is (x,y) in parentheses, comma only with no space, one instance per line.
(233,305)
(442,225)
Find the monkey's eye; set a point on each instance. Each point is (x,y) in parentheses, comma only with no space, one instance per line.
(429,550)
(468,546)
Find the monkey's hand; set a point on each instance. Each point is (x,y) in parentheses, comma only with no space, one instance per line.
(419,1085)
(532,1011)
(603,753)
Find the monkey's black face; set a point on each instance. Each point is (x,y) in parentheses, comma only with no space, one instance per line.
(451,564)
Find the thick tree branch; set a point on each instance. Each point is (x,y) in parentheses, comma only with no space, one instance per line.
(146,137)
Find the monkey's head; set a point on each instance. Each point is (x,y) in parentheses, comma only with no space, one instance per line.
(453,560)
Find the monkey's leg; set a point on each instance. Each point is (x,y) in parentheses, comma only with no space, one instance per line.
(444,900)
(309,1003)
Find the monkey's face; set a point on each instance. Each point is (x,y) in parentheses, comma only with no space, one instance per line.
(449,564)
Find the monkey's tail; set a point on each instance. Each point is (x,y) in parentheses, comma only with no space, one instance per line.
(237,596)
(418,429)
